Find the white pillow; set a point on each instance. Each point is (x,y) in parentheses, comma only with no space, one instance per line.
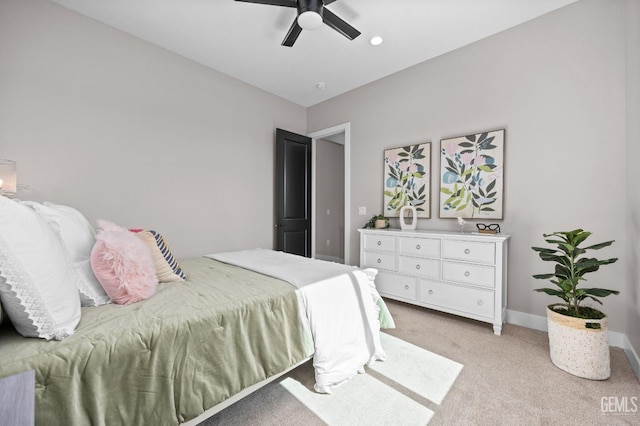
(37,289)
(77,237)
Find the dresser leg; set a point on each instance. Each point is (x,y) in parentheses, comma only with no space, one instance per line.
(497,329)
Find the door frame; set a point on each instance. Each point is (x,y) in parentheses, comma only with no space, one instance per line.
(320,134)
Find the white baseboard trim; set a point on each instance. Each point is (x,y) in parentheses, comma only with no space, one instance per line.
(619,340)
(527,320)
(632,356)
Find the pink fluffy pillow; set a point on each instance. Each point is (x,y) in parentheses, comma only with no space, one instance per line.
(123,264)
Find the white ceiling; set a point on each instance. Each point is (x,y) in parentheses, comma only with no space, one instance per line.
(243,39)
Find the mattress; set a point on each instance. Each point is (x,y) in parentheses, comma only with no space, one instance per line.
(165,360)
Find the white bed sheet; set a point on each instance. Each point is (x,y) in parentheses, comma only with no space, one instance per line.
(339,304)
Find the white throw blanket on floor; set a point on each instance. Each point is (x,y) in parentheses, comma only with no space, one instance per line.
(339,302)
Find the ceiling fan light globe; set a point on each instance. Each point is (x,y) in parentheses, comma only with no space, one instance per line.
(310,20)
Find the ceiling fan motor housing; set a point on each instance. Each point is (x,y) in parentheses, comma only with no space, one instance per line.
(310,6)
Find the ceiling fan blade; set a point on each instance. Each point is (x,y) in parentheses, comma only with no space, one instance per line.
(332,20)
(285,3)
(293,34)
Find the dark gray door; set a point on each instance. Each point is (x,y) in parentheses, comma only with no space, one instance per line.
(293,193)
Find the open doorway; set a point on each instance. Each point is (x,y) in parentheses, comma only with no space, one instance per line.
(330,193)
(329,199)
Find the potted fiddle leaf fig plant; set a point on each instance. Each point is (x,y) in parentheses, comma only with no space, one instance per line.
(578,341)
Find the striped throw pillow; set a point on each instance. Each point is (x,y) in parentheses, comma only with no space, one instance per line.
(167,267)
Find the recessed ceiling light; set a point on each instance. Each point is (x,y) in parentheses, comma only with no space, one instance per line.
(376,41)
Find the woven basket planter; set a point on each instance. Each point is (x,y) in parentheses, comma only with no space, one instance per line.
(576,349)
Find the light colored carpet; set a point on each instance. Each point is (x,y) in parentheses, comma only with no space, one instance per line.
(363,401)
(393,392)
(506,380)
(367,400)
(418,370)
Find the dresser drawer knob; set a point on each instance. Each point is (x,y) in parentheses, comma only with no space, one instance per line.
(430,292)
(467,273)
(379,243)
(417,246)
(379,260)
(467,251)
(406,286)
(417,266)
(480,302)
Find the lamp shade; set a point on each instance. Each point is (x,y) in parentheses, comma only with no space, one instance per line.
(8,180)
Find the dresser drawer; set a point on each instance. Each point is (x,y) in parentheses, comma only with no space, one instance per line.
(380,260)
(470,251)
(429,268)
(469,273)
(397,286)
(458,298)
(380,242)
(429,247)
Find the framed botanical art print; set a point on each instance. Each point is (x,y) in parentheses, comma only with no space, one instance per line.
(407,175)
(471,176)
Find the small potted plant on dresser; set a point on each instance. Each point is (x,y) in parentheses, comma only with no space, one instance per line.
(578,341)
(378,221)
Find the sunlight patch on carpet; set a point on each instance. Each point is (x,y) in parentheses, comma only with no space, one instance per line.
(423,372)
(366,400)
(363,400)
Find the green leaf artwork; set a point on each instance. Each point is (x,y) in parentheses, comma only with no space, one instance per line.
(407,172)
(471,176)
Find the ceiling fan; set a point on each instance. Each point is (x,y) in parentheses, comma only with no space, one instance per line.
(311,15)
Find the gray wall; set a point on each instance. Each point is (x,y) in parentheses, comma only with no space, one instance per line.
(557,85)
(129,132)
(329,197)
(632,290)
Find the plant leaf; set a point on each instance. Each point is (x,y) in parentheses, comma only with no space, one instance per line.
(600,292)
(600,245)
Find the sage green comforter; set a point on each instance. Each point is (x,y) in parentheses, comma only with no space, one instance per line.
(167,359)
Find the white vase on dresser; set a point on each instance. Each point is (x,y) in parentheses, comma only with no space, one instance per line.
(460,273)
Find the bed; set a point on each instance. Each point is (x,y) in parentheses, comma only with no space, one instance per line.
(179,355)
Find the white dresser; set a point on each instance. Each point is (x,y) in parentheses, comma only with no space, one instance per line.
(460,273)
